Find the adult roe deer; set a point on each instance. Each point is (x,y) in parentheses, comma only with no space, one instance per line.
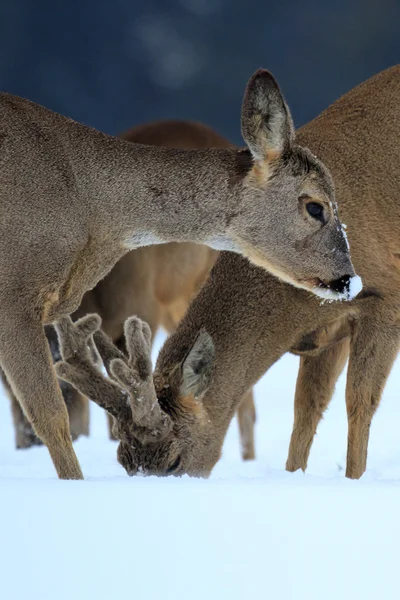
(156,283)
(253,318)
(74,201)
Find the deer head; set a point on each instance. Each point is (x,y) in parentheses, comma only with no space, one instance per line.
(306,245)
(156,437)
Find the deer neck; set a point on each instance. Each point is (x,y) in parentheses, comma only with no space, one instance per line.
(145,195)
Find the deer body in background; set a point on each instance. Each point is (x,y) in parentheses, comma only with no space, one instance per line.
(244,319)
(156,283)
(74,201)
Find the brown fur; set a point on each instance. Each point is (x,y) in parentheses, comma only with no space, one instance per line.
(189,404)
(156,283)
(74,201)
(253,318)
(357,137)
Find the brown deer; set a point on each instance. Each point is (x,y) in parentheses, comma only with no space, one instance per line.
(253,318)
(156,283)
(74,201)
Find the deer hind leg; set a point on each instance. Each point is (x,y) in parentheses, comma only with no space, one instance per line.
(246,414)
(26,360)
(314,389)
(374,347)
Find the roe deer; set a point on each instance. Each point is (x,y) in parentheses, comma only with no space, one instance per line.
(156,283)
(253,318)
(73,201)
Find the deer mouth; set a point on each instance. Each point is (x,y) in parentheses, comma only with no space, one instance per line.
(344,288)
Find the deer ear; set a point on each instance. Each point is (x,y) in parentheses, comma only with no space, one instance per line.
(267,125)
(197,367)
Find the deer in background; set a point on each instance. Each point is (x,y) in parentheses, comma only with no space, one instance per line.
(74,201)
(244,319)
(156,283)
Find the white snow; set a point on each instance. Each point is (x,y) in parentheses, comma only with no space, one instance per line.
(252,531)
(355,286)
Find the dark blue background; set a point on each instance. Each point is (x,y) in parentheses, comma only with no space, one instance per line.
(119,63)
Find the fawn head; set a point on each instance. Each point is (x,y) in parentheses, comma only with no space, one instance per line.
(306,244)
(169,435)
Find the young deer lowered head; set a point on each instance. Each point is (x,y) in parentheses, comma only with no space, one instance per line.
(74,201)
(152,441)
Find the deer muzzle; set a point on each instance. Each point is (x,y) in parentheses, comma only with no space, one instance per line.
(345,287)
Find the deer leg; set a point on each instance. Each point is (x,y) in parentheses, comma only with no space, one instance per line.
(374,347)
(314,389)
(246,414)
(77,404)
(24,435)
(26,360)
(78,410)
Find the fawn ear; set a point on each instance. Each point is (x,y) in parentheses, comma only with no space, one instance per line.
(267,126)
(197,367)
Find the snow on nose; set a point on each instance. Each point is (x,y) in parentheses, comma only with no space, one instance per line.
(355,286)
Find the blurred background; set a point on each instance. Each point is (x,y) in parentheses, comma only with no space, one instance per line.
(116,64)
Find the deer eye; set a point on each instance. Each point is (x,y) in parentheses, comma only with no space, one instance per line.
(316,211)
(172,468)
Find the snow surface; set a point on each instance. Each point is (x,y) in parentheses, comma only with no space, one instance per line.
(252,531)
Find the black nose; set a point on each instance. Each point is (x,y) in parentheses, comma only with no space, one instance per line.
(341,285)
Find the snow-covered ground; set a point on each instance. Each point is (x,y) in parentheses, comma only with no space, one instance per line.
(252,531)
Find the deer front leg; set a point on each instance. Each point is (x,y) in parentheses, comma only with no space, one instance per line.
(26,360)
(246,414)
(314,389)
(77,406)
(374,347)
